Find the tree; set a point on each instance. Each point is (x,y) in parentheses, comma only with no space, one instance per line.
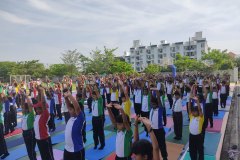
(33,68)
(72,58)
(221,60)
(152,69)
(120,67)
(101,61)
(184,63)
(6,70)
(58,70)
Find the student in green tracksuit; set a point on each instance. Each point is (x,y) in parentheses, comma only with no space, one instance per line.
(124,133)
(3,147)
(97,119)
(27,127)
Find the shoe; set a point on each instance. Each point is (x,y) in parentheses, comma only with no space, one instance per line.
(95,147)
(176,138)
(101,147)
(211,126)
(5,155)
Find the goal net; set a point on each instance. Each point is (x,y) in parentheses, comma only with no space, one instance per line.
(20,78)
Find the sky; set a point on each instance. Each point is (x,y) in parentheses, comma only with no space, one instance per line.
(44,29)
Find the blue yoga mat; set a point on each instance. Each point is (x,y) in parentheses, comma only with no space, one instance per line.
(220,115)
(143,134)
(211,143)
(92,154)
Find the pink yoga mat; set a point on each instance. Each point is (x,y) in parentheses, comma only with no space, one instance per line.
(169,122)
(217,125)
(58,155)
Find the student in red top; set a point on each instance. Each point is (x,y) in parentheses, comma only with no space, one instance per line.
(41,128)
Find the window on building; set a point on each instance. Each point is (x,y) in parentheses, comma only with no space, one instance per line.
(202,45)
(152,56)
(160,56)
(177,48)
(160,50)
(164,55)
(159,61)
(173,49)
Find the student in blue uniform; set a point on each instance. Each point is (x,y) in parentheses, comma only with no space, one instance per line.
(74,147)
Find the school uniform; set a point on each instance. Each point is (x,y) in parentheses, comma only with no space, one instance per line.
(89,101)
(208,116)
(215,103)
(146,107)
(81,104)
(108,94)
(114,99)
(123,145)
(58,101)
(223,96)
(157,117)
(103,93)
(137,101)
(195,137)
(7,117)
(51,104)
(74,147)
(42,135)
(177,118)
(29,135)
(65,110)
(98,122)
(169,88)
(3,145)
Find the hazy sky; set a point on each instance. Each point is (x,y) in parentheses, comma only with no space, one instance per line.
(43,29)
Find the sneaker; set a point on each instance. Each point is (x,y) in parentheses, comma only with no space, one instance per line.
(5,155)
(95,147)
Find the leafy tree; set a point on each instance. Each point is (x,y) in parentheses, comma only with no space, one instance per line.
(184,63)
(152,69)
(101,62)
(120,67)
(58,70)
(72,58)
(6,69)
(33,68)
(221,60)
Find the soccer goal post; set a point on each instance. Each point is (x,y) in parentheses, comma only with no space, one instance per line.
(20,78)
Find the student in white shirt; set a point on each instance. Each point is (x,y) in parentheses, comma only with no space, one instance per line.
(195,128)
(215,101)
(223,94)
(169,87)
(177,115)
(137,97)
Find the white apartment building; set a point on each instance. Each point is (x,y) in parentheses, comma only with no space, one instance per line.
(141,56)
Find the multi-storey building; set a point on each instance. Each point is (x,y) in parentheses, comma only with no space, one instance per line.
(141,56)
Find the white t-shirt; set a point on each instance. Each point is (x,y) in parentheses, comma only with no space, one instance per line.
(169,88)
(223,90)
(145,103)
(138,96)
(177,107)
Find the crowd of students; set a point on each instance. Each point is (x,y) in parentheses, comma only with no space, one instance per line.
(41,102)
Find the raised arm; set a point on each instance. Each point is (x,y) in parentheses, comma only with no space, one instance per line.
(124,117)
(136,133)
(147,123)
(68,97)
(109,106)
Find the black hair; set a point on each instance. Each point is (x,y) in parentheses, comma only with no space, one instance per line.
(143,147)
(119,119)
(176,93)
(123,95)
(154,99)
